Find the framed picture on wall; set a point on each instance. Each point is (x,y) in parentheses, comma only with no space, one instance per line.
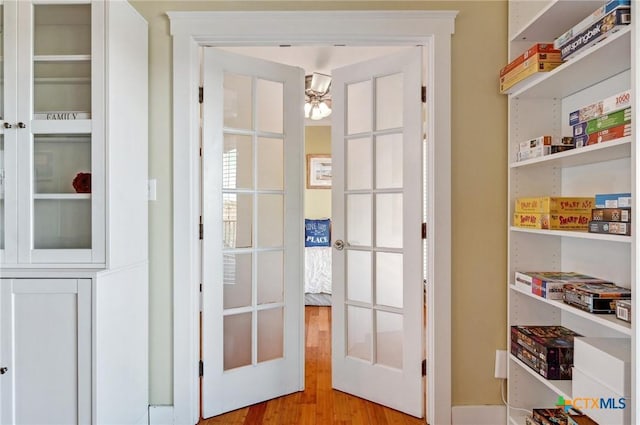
(318,171)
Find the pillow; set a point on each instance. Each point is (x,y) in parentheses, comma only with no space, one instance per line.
(317,232)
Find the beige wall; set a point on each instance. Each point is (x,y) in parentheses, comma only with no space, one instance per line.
(317,202)
(478,178)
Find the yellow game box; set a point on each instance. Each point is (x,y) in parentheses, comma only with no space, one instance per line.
(561,221)
(555,204)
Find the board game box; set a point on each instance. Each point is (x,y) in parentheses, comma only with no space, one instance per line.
(544,51)
(607,25)
(610,227)
(586,22)
(557,221)
(552,344)
(623,130)
(543,368)
(611,214)
(550,285)
(605,106)
(602,122)
(613,200)
(623,310)
(597,298)
(551,416)
(555,204)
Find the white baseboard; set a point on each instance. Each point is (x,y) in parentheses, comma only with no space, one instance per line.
(479,415)
(160,415)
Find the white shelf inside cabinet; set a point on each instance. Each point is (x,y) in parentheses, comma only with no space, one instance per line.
(560,387)
(607,320)
(62,196)
(581,71)
(600,152)
(550,21)
(62,58)
(575,234)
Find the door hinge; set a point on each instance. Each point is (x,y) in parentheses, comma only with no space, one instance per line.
(424,367)
(201,229)
(200,94)
(200,299)
(201,368)
(424,94)
(424,230)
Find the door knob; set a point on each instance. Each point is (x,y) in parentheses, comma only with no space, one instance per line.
(339,244)
(3,370)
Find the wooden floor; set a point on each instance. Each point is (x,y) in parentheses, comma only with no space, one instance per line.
(318,404)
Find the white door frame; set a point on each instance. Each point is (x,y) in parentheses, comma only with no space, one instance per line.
(190,30)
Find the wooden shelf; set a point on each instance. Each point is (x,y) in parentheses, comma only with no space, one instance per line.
(606,320)
(62,58)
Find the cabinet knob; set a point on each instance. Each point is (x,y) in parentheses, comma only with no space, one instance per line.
(3,370)
(21,125)
(7,125)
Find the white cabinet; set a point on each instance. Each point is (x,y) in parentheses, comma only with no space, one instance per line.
(73,253)
(46,350)
(539,106)
(72,126)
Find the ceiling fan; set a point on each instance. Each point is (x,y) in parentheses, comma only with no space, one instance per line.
(317,103)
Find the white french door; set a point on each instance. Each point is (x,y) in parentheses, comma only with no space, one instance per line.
(377,311)
(252,313)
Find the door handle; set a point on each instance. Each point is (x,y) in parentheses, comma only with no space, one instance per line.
(3,370)
(7,125)
(339,244)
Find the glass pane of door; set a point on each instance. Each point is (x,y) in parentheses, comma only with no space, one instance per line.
(253,220)
(62,61)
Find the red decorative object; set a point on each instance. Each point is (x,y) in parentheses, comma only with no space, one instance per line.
(82,183)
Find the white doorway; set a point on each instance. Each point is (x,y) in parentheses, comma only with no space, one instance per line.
(191,30)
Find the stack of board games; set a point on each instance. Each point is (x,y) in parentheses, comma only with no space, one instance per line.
(595,297)
(603,121)
(546,349)
(612,214)
(606,20)
(553,212)
(558,416)
(550,285)
(543,145)
(541,57)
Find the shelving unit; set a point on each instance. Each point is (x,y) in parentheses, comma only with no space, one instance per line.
(73,265)
(540,105)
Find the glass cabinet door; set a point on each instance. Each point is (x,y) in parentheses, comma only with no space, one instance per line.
(55,132)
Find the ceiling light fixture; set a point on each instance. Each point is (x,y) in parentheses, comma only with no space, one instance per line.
(317,98)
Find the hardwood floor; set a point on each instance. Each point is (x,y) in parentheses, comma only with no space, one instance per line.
(318,404)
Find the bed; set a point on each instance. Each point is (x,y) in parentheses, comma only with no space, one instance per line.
(317,262)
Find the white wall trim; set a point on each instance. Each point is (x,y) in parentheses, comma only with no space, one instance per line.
(190,30)
(479,415)
(160,415)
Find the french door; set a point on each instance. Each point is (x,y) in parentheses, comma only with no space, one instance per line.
(377,313)
(252,312)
